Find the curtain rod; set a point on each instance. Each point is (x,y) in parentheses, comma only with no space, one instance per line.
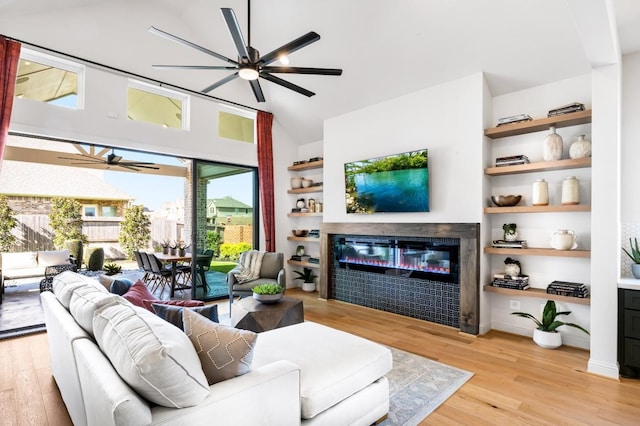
(131,74)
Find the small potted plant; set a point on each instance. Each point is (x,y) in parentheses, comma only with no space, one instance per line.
(635,257)
(308,279)
(267,293)
(512,267)
(510,231)
(546,334)
(112,269)
(165,246)
(182,248)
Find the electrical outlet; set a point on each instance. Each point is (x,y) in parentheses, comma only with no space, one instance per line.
(514,305)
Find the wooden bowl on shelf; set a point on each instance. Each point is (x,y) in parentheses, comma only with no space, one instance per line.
(506,200)
(299,232)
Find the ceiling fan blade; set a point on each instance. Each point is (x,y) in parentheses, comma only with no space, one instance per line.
(234,29)
(141,165)
(220,82)
(124,166)
(257,90)
(288,85)
(303,70)
(179,40)
(89,160)
(289,48)
(193,67)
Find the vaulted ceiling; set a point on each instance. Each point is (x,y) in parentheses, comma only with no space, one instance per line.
(386,48)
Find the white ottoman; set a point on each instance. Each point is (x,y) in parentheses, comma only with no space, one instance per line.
(341,375)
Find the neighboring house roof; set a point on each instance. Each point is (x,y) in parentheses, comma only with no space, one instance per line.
(228,203)
(20,178)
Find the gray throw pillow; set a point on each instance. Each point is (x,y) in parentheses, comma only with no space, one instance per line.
(173,313)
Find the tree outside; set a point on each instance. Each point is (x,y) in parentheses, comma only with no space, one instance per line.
(65,219)
(135,230)
(8,221)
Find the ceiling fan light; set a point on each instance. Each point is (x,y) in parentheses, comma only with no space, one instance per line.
(284,60)
(248,73)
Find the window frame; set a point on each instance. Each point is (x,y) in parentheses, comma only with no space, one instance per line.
(168,93)
(245,113)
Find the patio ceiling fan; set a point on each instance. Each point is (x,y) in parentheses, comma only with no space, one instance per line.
(250,65)
(110,160)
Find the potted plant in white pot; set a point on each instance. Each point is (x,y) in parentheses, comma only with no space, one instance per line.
(635,257)
(308,279)
(546,335)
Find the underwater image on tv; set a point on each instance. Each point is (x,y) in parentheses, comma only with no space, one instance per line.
(393,183)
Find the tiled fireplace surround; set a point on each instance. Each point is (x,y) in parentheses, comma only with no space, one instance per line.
(427,299)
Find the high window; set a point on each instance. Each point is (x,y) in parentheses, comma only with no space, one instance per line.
(156,105)
(236,124)
(45,78)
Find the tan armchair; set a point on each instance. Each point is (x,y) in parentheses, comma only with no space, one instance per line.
(271,271)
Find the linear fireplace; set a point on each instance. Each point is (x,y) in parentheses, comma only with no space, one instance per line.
(425,271)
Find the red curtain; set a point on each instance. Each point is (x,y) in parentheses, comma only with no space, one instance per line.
(9,58)
(265,174)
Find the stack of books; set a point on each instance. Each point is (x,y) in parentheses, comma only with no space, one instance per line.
(513,119)
(566,109)
(512,160)
(509,244)
(314,233)
(515,282)
(567,288)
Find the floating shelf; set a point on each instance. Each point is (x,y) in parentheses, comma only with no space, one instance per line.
(538,125)
(303,264)
(306,166)
(317,188)
(539,209)
(307,239)
(539,293)
(303,214)
(532,251)
(540,166)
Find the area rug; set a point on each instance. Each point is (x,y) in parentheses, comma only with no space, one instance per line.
(20,311)
(418,385)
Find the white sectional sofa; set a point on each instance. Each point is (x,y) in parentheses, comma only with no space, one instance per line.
(302,374)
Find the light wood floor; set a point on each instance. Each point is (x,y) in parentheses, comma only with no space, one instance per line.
(515,382)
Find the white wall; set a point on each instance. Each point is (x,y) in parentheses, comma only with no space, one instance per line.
(446,119)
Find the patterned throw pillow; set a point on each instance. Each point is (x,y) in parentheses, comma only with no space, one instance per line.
(224,352)
(173,313)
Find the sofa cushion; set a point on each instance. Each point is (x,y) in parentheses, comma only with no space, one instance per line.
(65,283)
(84,302)
(120,286)
(148,304)
(27,259)
(152,356)
(138,293)
(50,258)
(333,364)
(173,313)
(225,352)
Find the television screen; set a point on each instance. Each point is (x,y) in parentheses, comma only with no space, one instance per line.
(393,183)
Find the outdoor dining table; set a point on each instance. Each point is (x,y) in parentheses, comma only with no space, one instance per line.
(173,259)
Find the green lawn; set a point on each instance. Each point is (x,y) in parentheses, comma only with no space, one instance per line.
(222,266)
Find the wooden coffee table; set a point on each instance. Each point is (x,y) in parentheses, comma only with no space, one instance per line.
(249,314)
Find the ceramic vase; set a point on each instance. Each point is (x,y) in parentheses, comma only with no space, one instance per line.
(540,196)
(309,286)
(581,148)
(635,270)
(512,269)
(546,339)
(570,191)
(552,147)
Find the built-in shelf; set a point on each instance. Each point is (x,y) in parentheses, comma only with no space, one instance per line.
(303,264)
(303,214)
(539,293)
(307,239)
(540,166)
(539,209)
(316,188)
(306,166)
(532,251)
(540,124)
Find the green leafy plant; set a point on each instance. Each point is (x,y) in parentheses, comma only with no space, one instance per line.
(134,230)
(549,322)
(510,261)
(635,252)
(267,289)
(232,251)
(306,275)
(7,223)
(112,268)
(65,219)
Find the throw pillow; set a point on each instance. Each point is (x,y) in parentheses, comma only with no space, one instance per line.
(225,352)
(152,356)
(249,265)
(49,258)
(138,293)
(85,301)
(173,313)
(120,286)
(148,303)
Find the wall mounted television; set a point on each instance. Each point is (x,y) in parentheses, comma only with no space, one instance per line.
(392,183)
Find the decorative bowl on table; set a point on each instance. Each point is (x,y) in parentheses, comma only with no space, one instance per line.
(267,298)
(299,232)
(506,200)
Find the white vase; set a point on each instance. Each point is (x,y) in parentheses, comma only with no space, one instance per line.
(540,194)
(635,270)
(296,182)
(552,147)
(546,339)
(309,286)
(512,269)
(570,191)
(581,148)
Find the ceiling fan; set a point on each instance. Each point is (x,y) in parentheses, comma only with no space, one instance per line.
(110,160)
(250,65)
